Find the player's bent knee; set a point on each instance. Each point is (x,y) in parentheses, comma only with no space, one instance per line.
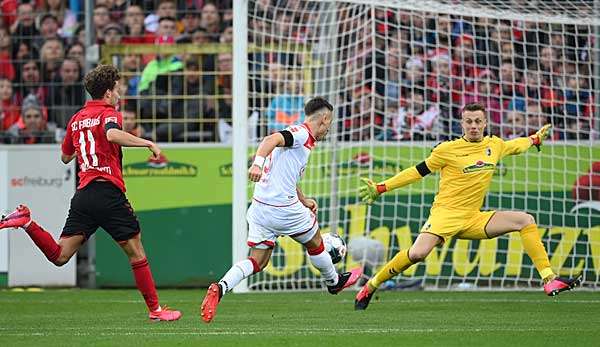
(259,264)
(417,255)
(524,220)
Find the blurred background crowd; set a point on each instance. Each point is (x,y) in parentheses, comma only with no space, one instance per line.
(399,75)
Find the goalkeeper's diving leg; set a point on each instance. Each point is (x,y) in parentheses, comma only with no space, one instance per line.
(404,259)
(503,222)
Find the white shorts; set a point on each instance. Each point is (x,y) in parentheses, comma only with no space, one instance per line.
(267,222)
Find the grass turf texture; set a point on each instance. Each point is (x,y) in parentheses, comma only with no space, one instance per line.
(118,318)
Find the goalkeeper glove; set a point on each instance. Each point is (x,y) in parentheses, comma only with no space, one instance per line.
(370,191)
(540,136)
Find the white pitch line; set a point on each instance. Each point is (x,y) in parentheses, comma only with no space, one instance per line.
(388,299)
(287,332)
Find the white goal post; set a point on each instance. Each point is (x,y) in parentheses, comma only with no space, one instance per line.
(398,73)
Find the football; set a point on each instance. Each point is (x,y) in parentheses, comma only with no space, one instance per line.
(335,246)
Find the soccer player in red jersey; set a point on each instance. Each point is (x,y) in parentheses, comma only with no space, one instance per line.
(94,137)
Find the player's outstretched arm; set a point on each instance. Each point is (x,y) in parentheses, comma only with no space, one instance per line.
(125,139)
(540,136)
(370,191)
(522,144)
(267,145)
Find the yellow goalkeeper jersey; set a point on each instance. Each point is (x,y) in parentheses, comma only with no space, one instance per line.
(466,169)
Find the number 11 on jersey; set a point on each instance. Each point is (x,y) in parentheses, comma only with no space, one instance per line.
(92,152)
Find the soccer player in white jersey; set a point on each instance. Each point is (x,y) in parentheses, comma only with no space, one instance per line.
(279,208)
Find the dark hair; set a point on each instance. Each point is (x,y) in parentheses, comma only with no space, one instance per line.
(315,104)
(199,29)
(473,107)
(169,18)
(101,79)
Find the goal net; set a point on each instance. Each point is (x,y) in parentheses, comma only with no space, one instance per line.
(398,73)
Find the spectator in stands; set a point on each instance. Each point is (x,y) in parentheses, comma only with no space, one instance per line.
(201,120)
(287,108)
(162,64)
(159,79)
(21,49)
(9,11)
(24,27)
(9,111)
(165,8)
(135,31)
(508,53)
(51,54)
(67,19)
(101,19)
(32,128)
(190,21)
(221,108)
(551,66)
(30,80)
(7,69)
(80,34)
(439,82)
(536,117)
(509,80)
(132,69)
(443,31)
(130,123)
(211,21)
(414,120)
(414,74)
(48,30)
(227,35)
(113,33)
(578,129)
(285,25)
(394,65)
(117,9)
(578,98)
(514,125)
(200,36)
(68,95)
(77,52)
(487,92)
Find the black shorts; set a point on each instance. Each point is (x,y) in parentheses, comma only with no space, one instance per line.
(101,204)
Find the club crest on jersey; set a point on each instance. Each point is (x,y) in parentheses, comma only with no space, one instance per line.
(479,166)
(110,120)
(488,151)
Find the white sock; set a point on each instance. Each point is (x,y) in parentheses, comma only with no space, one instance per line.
(323,262)
(236,274)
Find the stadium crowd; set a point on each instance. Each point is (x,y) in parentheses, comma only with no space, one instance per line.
(403,75)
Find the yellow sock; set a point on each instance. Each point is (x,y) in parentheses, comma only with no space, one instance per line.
(532,243)
(399,263)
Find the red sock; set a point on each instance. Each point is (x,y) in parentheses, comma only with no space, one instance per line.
(44,241)
(145,283)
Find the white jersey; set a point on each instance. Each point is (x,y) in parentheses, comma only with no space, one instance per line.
(283,169)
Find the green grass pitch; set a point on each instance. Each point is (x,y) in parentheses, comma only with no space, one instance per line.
(118,318)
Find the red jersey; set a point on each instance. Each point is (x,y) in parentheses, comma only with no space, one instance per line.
(86,135)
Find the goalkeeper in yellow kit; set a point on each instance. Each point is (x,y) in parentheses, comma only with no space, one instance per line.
(467,165)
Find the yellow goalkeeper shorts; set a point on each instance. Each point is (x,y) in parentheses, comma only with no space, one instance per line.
(447,223)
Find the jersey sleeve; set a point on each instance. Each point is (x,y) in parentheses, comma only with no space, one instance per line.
(112,117)
(515,146)
(67,144)
(300,135)
(437,158)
